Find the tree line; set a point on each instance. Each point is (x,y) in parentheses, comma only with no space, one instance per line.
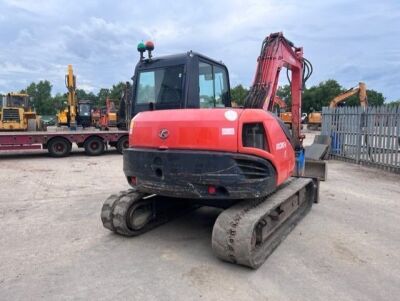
(315,97)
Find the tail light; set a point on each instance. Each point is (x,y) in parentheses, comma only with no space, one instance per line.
(212,190)
(131,126)
(133,181)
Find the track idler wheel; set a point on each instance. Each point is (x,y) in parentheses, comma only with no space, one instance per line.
(126,213)
(132,214)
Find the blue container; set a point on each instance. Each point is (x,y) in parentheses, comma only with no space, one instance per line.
(335,143)
(300,162)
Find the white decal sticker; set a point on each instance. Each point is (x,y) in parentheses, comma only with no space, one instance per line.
(280,145)
(228,131)
(231,115)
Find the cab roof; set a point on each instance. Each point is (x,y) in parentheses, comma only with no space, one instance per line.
(174,59)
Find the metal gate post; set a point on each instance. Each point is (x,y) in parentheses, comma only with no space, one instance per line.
(359,132)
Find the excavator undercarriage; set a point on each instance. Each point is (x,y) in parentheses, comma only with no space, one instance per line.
(269,219)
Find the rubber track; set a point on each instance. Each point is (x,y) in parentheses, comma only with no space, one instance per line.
(116,206)
(233,229)
(108,210)
(108,207)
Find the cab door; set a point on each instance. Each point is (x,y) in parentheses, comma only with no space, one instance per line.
(213,85)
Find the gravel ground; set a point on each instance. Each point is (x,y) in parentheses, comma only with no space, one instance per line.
(53,245)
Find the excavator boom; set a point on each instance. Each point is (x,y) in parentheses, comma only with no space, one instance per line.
(70,82)
(361,90)
(276,53)
(315,118)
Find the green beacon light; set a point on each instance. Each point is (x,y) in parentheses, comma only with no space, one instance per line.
(141,47)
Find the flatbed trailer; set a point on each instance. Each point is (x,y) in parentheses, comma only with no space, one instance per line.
(59,142)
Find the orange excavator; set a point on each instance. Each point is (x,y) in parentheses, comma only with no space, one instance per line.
(315,118)
(285,116)
(243,160)
(108,116)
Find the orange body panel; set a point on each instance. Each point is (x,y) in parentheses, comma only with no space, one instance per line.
(188,129)
(280,151)
(286,117)
(213,130)
(315,118)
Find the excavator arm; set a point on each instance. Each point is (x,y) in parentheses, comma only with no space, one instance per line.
(361,90)
(278,52)
(70,83)
(279,102)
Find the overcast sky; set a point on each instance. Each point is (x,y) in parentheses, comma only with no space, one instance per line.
(349,41)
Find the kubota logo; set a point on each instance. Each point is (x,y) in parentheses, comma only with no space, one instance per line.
(280,145)
(164,133)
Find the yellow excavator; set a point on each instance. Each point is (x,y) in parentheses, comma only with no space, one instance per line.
(17,115)
(315,118)
(68,115)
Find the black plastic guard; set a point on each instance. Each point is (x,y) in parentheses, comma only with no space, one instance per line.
(188,174)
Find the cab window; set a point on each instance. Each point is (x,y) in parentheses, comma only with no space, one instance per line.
(163,85)
(221,87)
(213,86)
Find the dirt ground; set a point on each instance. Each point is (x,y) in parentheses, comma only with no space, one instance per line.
(53,245)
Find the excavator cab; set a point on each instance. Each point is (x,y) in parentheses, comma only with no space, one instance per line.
(188,80)
(84,116)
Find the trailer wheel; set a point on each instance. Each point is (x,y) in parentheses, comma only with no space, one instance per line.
(122,144)
(59,147)
(94,146)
